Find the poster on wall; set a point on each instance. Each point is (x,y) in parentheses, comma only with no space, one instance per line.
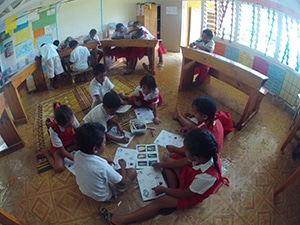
(24,48)
(47,38)
(8,49)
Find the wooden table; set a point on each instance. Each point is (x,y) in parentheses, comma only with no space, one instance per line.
(233,73)
(11,92)
(152,44)
(8,130)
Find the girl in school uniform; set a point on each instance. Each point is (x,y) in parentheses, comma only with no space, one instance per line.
(205,112)
(146,95)
(189,180)
(62,137)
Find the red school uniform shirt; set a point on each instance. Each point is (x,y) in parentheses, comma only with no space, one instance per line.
(67,136)
(188,174)
(153,97)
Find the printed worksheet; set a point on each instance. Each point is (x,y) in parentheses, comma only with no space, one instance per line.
(129,155)
(144,114)
(114,132)
(69,164)
(147,155)
(149,178)
(167,138)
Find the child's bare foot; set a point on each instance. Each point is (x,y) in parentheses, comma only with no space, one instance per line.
(41,154)
(177,113)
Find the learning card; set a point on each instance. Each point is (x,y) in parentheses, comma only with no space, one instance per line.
(114,132)
(167,138)
(129,155)
(149,178)
(144,114)
(147,155)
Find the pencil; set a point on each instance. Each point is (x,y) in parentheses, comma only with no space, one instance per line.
(151,128)
(152,132)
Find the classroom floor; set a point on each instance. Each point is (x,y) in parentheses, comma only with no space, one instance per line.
(251,158)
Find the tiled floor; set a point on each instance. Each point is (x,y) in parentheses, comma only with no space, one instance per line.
(251,160)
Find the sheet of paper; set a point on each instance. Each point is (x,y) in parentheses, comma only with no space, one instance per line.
(147,155)
(113,132)
(149,178)
(144,114)
(123,108)
(167,138)
(69,164)
(129,155)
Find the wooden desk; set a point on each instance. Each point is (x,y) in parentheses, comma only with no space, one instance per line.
(90,45)
(233,73)
(152,44)
(8,131)
(11,93)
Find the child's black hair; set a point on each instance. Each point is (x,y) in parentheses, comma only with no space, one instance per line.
(73,44)
(149,81)
(137,23)
(202,143)
(99,68)
(88,136)
(42,44)
(63,115)
(111,100)
(56,43)
(119,25)
(208,32)
(93,32)
(205,105)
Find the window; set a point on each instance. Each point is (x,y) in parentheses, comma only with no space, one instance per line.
(266,30)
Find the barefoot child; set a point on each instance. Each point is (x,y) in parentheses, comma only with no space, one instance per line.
(62,137)
(146,95)
(105,113)
(189,183)
(205,112)
(95,176)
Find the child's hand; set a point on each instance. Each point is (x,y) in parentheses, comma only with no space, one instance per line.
(158,165)
(124,140)
(122,163)
(156,120)
(159,189)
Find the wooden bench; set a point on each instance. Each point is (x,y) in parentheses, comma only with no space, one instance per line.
(11,92)
(8,130)
(233,73)
(76,75)
(152,44)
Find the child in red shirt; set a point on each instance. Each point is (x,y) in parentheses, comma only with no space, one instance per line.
(62,137)
(190,180)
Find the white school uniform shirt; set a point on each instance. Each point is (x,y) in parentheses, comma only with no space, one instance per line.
(56,141)
(204,181)
(98,114)
(93,175)
(149,36)
(210,44)
(96,88)
(119,34)
(48,51)
(88,38)
(79,56)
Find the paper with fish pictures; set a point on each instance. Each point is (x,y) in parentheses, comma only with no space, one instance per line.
(149,178)
(147,155)
(129,155)
(167,138)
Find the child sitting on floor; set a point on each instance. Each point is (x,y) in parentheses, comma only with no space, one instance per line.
(62,137)
(146,95)
(205,109)
(100,84)
(188,184)
(95,176)
(105,113)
